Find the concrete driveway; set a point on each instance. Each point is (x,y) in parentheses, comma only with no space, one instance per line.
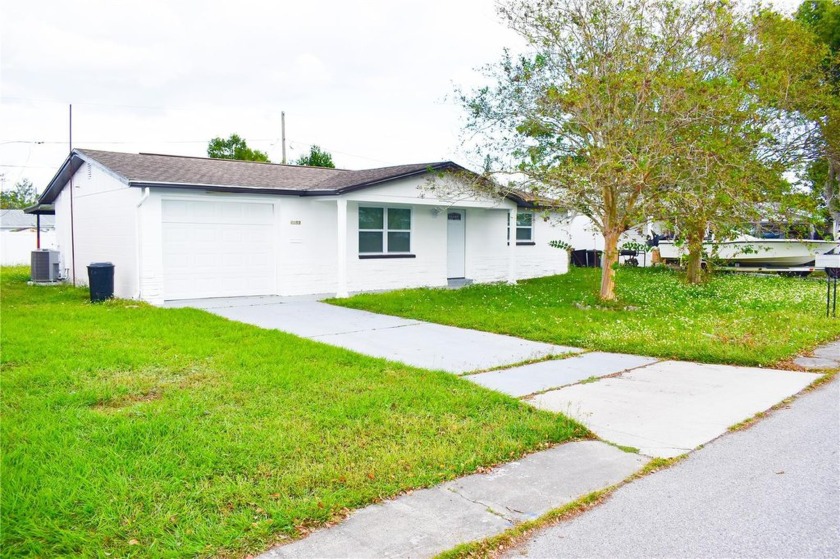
(421,344)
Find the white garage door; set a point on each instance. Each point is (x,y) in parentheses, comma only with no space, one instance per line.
(217,249)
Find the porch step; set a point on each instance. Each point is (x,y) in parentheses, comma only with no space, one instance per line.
(457,283)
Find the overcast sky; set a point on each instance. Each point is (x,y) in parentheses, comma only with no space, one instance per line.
(366,80)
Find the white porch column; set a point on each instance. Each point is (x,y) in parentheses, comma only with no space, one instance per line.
(341,237)
(511,279)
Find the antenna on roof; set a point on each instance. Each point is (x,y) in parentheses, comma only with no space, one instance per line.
(283,133)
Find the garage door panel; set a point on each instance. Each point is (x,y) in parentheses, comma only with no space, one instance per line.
(218,249)
(173,210)
(261,213)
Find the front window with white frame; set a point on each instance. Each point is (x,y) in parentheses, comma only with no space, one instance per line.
(384,230)
(524,227)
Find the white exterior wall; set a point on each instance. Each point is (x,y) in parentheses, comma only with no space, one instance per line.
(487,247)
(541,259)
(17,246)
(104,227)
(307,246)
(583,235)
(150,246)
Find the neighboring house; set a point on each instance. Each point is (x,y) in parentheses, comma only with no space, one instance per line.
(19,236)
(186,227)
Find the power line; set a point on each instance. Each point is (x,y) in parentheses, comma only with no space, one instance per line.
(115,142)
(91,104)
(273,141)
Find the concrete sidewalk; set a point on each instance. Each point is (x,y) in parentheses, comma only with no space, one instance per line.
(825,357)
(429,521)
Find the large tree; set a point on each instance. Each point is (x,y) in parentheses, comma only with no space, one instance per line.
(591,116)
(316,158)
(234,147)
(822,17)
(729,158)
(688,111)
(22,195)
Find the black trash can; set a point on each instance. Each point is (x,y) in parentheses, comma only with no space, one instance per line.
(101,280)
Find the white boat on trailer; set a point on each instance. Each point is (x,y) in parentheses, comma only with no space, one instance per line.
(749,253)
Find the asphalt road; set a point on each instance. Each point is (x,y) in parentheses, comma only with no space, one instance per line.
(772,490)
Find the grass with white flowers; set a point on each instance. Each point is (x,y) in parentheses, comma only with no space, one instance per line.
(733,318)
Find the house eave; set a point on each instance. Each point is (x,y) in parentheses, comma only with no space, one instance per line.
(40,209)
(72,164)
(61,178)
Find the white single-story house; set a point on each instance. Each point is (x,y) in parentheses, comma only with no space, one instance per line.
(21,233)
(188,227)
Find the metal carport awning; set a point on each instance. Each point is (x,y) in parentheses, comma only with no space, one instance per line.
(38,210)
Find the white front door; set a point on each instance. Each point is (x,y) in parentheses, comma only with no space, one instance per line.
(217,249)
(456,241)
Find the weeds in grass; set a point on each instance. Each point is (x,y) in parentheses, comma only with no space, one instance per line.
(729,319)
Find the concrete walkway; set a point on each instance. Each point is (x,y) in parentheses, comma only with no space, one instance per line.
(429,521)
(538,377)
(421,344)
(661,408)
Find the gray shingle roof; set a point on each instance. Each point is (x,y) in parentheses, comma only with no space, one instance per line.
(16,219)
(144,168)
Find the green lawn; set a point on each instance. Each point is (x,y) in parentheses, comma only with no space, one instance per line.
(738,319)
(133,430)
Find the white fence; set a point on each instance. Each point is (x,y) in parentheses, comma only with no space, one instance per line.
(16,246)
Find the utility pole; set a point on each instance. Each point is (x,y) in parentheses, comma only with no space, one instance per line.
(72,224)
(283,133)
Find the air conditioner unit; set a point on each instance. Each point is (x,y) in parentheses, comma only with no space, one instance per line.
(45,265)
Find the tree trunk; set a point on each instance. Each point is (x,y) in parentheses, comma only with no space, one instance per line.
(830,193)
(694,265)
(608,260)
